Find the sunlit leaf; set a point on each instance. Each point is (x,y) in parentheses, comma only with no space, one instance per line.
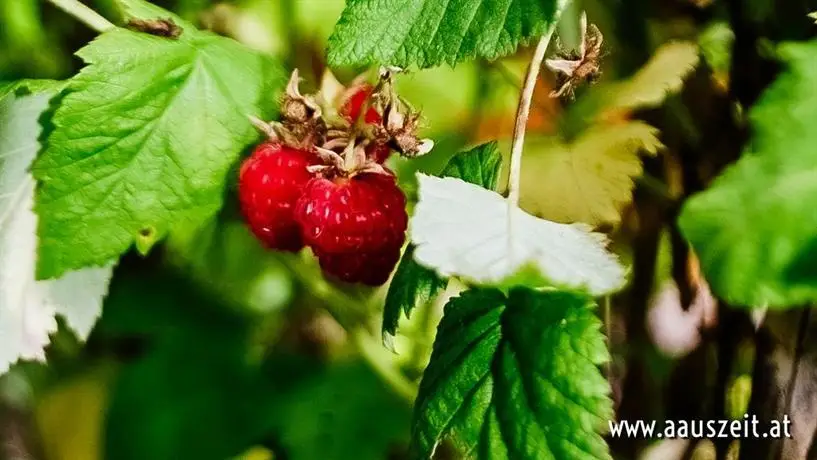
(427,33)
(142,142)
(589,179)
(27,306)
(662,75)
(464,230)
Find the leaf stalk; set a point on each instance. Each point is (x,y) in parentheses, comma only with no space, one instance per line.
(84,14)
(523,109)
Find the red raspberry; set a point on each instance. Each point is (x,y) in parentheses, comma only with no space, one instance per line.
(378,152)
(354,225)
(351,111)
(354,104)
(270,182)
(370,268)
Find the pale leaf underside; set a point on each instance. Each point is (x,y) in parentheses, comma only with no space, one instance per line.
(463,230)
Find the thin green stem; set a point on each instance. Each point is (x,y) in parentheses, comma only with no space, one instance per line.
(382,363)
(84,14)
(347,313)
(345,310)
(523,110)
(423,338)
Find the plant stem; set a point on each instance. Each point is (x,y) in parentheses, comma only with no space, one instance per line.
(342,308)
(348,314)
(84,14)
(381,362)
(523,111)
(608,332)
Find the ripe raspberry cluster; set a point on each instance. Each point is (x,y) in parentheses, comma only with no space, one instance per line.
(319,179)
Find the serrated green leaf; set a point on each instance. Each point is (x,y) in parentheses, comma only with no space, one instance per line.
(411,287)
(141,9)
(142,141)
(479,166)
(516,377)
(753,229)
(427,33)
(589,179)
(414,285)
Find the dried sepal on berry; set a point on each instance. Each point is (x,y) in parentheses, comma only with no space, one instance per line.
(353,116)
(330,158)
(302,122)
(400,121)
(373,115)
(278,132)
(330,92)
(352,129)
(402,133)
(574,69)
(295,107)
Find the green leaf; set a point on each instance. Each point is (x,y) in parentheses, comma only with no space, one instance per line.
(589,179)
(479,166)
(427,33)
(414,285)
(411,287)
(516,377)
(753,229)
(141,9)
(143,140)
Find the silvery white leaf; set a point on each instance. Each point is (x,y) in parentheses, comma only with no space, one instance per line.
(461,229)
